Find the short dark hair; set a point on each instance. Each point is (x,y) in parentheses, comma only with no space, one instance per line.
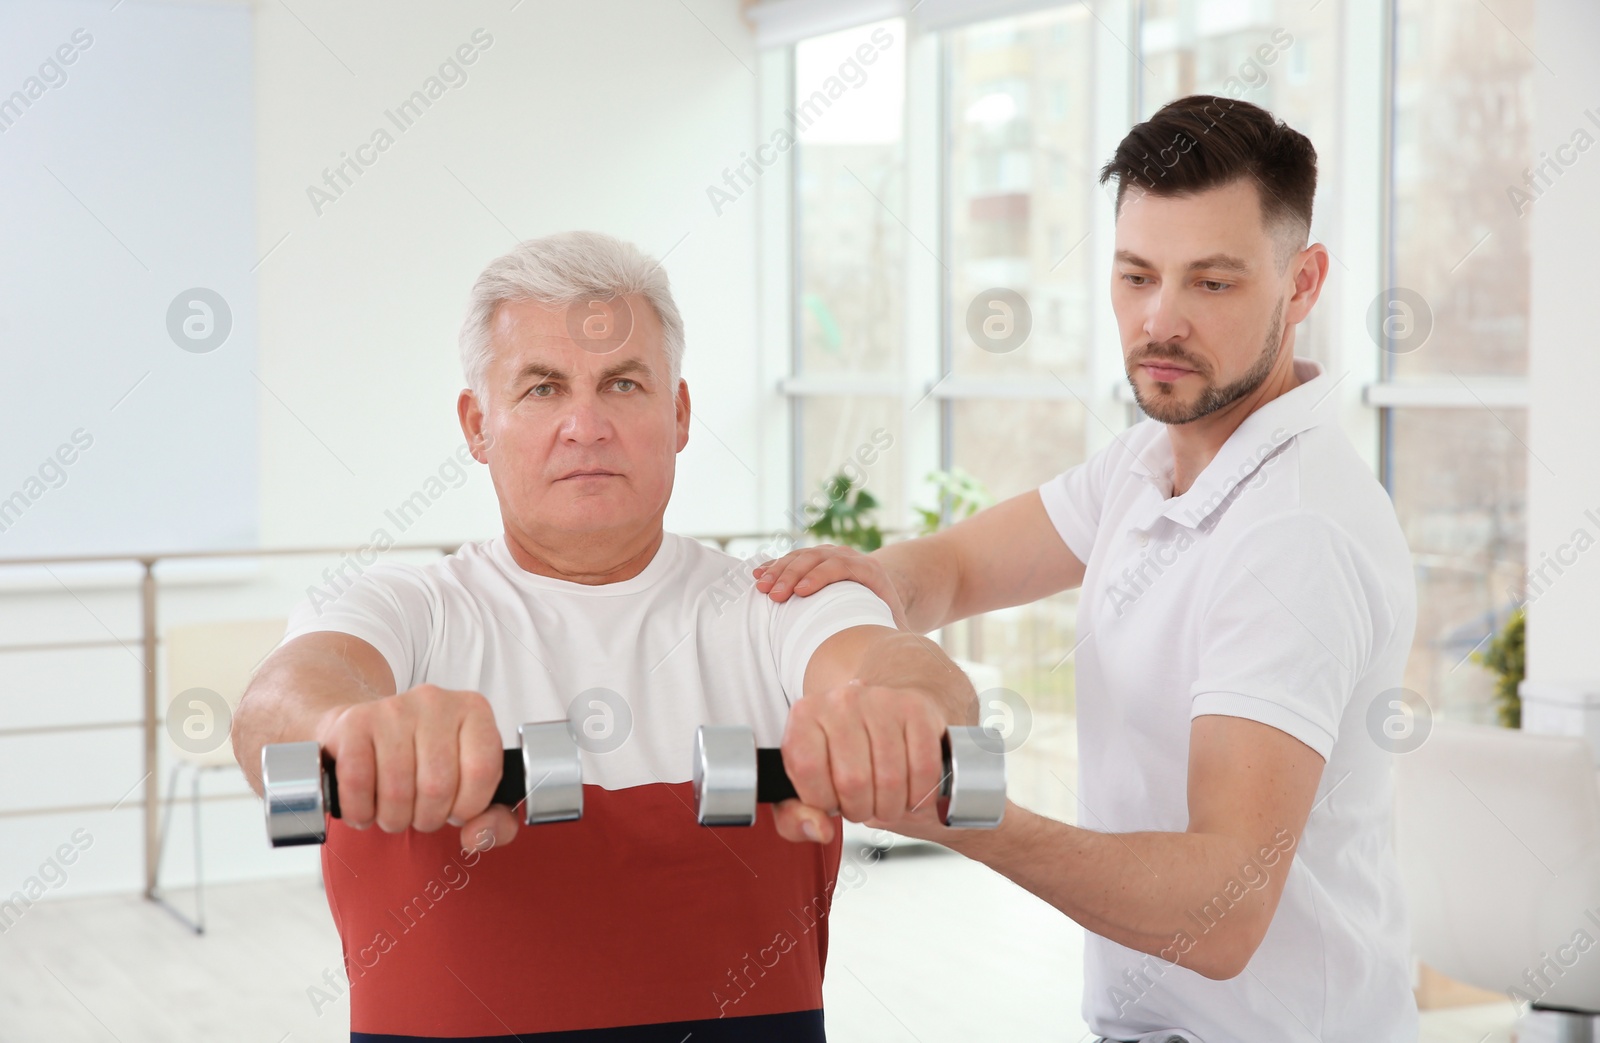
(1205,141)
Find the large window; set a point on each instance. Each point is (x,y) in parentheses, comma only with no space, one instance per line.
(1018,139)
(1456,345)
(850,258)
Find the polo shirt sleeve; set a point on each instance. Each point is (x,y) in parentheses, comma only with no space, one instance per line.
(1288,628)
(1073,499)
(388,606)
(801,624)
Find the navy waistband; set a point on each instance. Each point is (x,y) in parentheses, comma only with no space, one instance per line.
(803,1026)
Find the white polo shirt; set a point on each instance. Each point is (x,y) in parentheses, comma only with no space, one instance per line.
(1278,588)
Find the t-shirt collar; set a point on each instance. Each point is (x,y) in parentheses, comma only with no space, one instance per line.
(665,557)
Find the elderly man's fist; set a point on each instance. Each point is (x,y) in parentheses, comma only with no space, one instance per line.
(418,760)
(869,753)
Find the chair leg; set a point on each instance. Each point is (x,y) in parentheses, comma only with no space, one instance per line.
(199,889)
(166,820)
(161,848)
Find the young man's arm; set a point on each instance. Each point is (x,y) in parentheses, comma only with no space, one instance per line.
(1009,554)
(1202,898)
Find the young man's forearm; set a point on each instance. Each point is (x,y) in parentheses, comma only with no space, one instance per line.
(926,576)
(1202,900)
(293,691)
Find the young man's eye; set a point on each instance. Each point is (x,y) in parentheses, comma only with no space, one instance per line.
(1213,285)
(1134,280)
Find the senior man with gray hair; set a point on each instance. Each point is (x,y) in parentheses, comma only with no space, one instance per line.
(633,923)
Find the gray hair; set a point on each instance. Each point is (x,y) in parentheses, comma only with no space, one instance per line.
(562,269)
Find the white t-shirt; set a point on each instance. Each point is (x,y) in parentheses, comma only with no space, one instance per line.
(1278,588)
(686,642)
(636,915)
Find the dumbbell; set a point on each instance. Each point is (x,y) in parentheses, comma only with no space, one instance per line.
(732,776)
(299,785)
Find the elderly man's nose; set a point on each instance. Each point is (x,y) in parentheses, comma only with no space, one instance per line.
(584,421)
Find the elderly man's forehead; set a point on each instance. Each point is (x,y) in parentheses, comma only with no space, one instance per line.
(523,325)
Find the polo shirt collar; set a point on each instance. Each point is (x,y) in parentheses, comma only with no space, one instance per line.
(1261,435)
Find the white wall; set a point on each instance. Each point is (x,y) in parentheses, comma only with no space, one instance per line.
(128,195)
(1564,365)
(613,115)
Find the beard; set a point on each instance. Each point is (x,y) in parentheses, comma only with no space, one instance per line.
(1169,410)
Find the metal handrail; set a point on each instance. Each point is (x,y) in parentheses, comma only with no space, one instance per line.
(150,639)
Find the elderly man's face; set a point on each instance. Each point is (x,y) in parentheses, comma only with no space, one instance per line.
(579,441)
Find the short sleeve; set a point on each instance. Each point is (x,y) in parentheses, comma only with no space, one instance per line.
(1073,499)
(387,606)
(1289,628)
(801,624)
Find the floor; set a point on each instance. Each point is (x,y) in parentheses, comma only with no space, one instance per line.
(123,970)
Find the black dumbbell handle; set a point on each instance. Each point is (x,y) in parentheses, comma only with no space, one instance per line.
(512,790)
(773,783)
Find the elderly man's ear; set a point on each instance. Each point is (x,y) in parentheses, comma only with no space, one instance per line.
(471,417)
(682,399)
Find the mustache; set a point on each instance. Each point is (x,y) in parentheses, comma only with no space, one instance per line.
(1166,353)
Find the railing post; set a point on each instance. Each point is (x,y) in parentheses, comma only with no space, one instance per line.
(152,778)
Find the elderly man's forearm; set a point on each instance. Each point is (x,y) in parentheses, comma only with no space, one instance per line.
(295,687)
(905,660)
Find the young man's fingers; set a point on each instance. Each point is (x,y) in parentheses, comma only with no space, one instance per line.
(781,579)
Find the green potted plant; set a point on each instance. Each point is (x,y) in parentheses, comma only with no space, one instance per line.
(1505,657)
(848,518)
(959,495)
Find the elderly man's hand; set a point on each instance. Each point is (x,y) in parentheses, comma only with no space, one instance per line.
(868,753)
(419,760)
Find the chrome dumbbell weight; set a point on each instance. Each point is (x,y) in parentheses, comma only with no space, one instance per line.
(732,776)
(300,787)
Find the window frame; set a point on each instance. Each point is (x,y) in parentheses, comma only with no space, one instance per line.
(1362,198)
